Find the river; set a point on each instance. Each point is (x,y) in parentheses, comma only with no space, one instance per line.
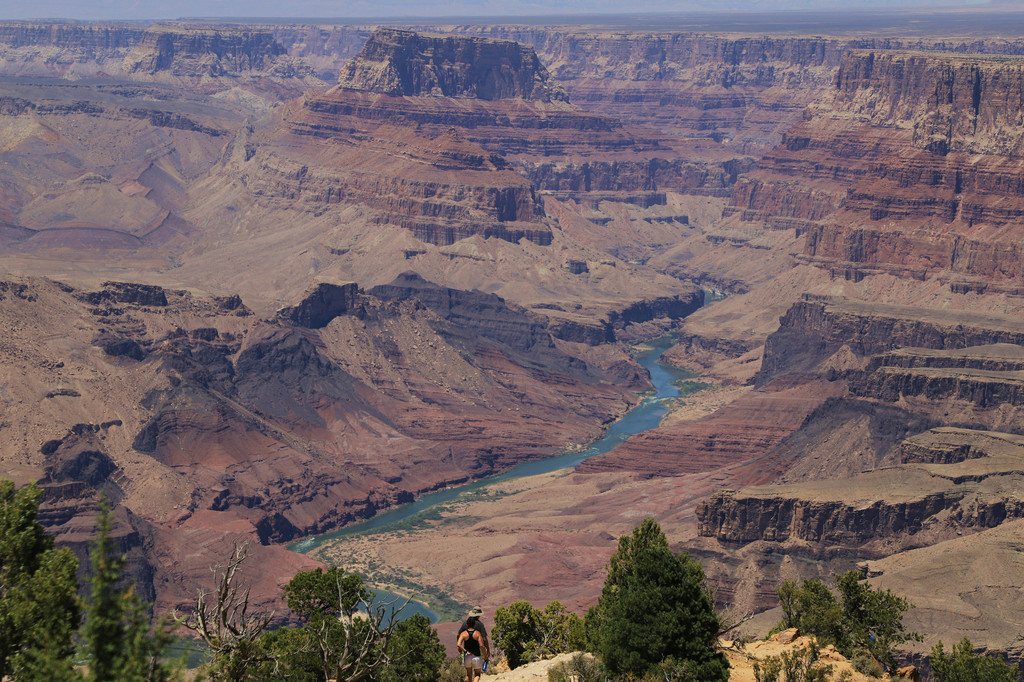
(646,415)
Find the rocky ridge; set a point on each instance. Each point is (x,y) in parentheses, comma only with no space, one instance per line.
(225,425)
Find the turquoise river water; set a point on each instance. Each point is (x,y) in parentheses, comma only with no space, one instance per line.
(646,415)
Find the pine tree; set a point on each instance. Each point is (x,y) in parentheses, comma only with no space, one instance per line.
(656,610)
(116,638)
(962,664)
(38,604)
(415,653)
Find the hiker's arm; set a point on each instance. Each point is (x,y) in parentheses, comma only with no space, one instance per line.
(460,641)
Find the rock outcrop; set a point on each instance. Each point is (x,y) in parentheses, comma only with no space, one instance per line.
(139,52)
(878,511)
(817,328)
(321,304)
(403,63)
(202,52)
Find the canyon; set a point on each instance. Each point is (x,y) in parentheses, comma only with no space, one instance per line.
(264,281)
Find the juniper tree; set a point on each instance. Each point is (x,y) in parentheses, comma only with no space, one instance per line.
(116,639)
(38,603)
(655,608)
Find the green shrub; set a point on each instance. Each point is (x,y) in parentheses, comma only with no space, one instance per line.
(415,653)
(864,663)
(963,665)
(580,668)
(526,634)
(861,617)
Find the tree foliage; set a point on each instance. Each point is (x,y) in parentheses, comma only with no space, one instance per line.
(39,609)
(962,664)
(346,630)
(525,633)
(515,631)
(656,608)
(347,635)
(117,643)
(415,653)
(860,618)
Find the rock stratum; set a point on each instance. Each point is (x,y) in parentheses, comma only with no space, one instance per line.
(407,64)
(912,175)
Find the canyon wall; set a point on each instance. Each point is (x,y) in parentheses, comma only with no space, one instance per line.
(135,51)
(203,52)
(907,166)
(816,328)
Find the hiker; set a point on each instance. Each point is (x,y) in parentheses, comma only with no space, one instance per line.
(473,618)
(473,645)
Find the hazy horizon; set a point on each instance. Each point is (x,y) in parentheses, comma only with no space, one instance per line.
(136,10)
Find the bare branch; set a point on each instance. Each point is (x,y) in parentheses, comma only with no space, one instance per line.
(225,623)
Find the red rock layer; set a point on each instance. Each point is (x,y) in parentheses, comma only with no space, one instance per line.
(741,431)
(910,166)
(442,189)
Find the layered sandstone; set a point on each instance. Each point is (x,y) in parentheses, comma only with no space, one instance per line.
(818,328)
(143,52)
(202,52)
(858,514)
(908,166)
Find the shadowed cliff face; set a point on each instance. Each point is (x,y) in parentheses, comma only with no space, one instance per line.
(403,63)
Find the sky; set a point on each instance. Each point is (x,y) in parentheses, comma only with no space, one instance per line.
(173,9)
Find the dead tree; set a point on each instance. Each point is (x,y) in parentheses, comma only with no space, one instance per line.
(354,640)
(223,620)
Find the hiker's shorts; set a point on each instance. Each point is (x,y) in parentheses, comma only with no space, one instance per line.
(474,662)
